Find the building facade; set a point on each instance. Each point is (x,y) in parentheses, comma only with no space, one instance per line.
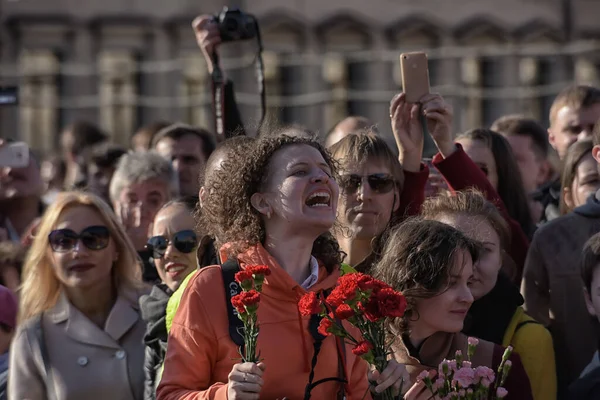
(124,64)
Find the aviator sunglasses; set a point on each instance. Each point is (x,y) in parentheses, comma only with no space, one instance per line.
(92,237)
(184,241)
(379,183)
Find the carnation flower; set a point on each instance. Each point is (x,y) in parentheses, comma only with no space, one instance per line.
(259,270)
(247,300)
(245,279)
(324,327)
(344,311)
(422,376)
(465,377)
(473,341)
(310,304)
(243,275)
(362,348)
(501,392)
(391,303)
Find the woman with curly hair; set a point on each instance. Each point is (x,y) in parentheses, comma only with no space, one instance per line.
(273,207)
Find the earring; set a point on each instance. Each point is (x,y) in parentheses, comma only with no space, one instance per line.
(268,214)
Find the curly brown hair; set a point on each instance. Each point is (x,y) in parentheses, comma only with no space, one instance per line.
(418,259)
(228,214)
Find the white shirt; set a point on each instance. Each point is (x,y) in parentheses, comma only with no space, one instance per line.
(314,274)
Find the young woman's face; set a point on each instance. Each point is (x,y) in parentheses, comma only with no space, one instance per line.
(367,208)
(175,265)
(482,156)
(485,271)
(81,267)
(446,312)
(586,182)
(300,194)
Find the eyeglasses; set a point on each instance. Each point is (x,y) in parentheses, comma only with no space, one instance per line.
(184,241)
(92,237)
(379,183)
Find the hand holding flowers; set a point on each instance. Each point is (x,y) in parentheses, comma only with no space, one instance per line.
(457,380)
(365,303)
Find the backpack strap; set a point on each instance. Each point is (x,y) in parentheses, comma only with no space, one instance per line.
(313,327)
(236,326)
(523,323)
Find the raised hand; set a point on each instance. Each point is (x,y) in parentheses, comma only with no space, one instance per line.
(207,37)
(408,132)
(438,115)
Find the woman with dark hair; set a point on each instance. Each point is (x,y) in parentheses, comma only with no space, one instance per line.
(455,165)
(172,246)
(497,314)
(579,178)
(492,153)
(431,263)
(273,207)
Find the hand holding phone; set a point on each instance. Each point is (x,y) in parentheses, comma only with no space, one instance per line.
(14,155)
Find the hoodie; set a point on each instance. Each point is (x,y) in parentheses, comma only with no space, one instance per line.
(201,353)
(154,309)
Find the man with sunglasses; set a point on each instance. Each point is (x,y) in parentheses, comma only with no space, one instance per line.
(370,185)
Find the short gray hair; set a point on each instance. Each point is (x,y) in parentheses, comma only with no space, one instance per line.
(139,167)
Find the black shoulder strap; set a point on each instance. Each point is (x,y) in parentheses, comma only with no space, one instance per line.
(313,327)
(228,270)
(523,323)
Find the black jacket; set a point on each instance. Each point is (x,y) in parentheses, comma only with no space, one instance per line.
(154,310)
(489,317)
(586,388)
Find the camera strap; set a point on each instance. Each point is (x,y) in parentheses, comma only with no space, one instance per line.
(218,84)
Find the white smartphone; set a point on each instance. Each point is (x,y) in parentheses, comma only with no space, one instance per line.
(14,155)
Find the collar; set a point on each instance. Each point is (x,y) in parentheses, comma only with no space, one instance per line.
(122,317)
(314,274)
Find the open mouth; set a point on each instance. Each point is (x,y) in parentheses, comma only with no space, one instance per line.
(175,268)
(319,199)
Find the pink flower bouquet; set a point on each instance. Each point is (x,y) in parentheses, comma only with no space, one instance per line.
(458,380)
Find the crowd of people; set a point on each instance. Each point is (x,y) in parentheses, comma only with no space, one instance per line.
(111,278)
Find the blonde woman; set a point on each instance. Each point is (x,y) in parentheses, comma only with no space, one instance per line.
(80,332)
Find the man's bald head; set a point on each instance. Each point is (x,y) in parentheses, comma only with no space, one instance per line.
(220,155)
(346,127)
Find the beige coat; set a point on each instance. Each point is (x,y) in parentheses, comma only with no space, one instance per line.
(86,362)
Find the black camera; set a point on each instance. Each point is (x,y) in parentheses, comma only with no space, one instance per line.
(236,25)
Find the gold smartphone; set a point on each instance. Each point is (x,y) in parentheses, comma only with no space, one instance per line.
(415,75)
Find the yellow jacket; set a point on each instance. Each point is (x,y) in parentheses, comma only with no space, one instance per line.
(533,342)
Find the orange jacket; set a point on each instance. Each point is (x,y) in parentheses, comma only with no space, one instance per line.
(201,354)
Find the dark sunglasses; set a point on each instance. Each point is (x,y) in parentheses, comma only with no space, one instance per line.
(92,237)
(184,241)
(379,183)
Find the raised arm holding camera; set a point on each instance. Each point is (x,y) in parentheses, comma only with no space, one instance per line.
(209,30)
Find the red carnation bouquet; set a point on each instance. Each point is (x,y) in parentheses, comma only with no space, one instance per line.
(251,281)
(365,303)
